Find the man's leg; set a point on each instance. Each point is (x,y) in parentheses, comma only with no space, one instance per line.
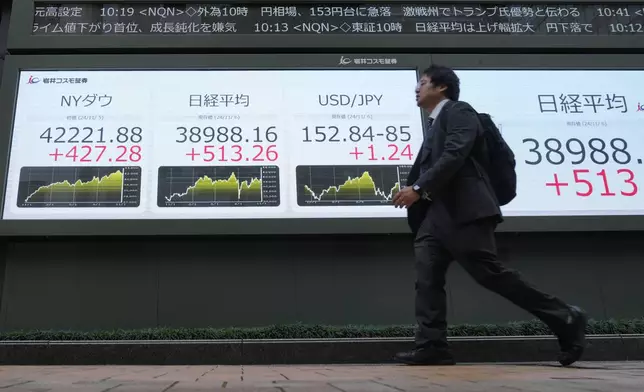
(474,247)
(432,262)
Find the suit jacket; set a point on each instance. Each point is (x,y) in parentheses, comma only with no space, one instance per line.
(456,181)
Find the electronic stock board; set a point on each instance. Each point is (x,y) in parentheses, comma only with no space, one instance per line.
(299,143)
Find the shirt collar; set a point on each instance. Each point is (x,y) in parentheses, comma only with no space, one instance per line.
(434,114)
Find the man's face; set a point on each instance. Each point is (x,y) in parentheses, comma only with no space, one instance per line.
(428,95)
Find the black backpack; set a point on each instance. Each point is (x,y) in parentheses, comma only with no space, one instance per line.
(501,161)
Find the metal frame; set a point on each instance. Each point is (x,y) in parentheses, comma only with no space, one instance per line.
(5,9)
(21,39)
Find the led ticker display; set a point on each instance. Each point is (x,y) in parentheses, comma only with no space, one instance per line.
(336,19)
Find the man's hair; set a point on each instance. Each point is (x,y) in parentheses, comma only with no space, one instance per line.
(444,76)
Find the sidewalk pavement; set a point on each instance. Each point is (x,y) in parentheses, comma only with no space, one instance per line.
(585,376)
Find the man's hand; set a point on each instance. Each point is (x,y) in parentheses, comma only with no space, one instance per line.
(405,198)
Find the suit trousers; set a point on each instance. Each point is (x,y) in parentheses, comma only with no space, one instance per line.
(473,246)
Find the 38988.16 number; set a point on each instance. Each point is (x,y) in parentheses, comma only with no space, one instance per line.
(224,134)
(596,150)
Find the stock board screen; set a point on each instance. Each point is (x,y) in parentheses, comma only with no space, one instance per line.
(291,144)
(239,144)
(362,18)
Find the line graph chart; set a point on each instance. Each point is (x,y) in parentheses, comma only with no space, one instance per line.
(349,185)
(218,186)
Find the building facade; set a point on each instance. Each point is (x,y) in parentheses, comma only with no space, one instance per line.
(67,267)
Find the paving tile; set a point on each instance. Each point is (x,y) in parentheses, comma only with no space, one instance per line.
(585,377)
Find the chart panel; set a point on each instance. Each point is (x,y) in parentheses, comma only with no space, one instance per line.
(218,186)
(70,187)
(349,185)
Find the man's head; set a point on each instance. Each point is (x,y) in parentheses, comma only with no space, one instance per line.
(437,83)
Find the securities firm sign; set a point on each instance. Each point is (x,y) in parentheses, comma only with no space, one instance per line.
(319,19)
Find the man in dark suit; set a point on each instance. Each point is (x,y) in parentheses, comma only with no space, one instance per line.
(453,212)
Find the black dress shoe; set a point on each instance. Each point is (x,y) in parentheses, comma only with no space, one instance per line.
(426,356)
(573,340)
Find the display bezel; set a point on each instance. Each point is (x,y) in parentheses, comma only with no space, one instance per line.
(8,96)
